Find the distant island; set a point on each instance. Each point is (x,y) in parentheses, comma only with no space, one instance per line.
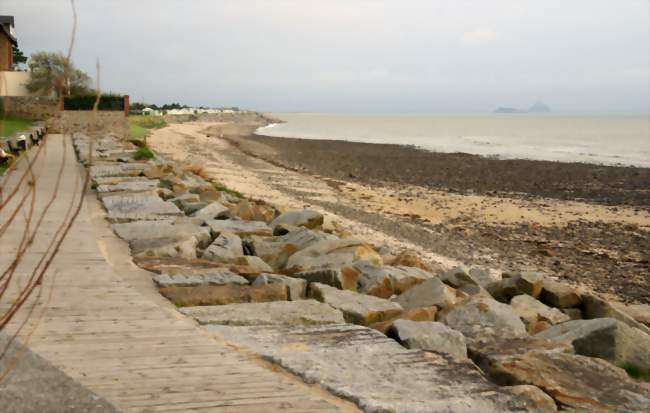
(538,107)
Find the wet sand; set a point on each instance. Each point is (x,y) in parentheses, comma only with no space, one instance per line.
(585,224)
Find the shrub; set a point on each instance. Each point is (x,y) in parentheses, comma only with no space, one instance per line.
(143,153)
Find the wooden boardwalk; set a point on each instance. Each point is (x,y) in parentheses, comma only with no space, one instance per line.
(107,327)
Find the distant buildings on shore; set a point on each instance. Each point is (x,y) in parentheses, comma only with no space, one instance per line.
(538,107)
(186,111)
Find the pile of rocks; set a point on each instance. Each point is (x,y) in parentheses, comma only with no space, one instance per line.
(381,330)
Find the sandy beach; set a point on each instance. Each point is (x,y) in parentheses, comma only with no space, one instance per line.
(584,224)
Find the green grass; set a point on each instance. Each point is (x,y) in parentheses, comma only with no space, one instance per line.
(143,153)
(635,372)
(10,126)
(141,125)
(222,188)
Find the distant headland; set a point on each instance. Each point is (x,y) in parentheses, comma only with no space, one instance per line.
(538,107)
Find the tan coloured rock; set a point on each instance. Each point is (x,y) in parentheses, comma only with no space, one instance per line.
(224,294)
(559,295)
(536,400)
(408,258)
(576,382)
(345,278)
(297,287)
(415,314)
(253,211)
(530,283)
(596,307)
(332,254)
(532,311)
(405,278)
(300,218)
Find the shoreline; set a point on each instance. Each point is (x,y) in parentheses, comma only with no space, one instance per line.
(585,182)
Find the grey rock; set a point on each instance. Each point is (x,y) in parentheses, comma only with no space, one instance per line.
(481,316)
(572,313)
(297,287)
(178,229)
(536,400)
(35,385)
(116,169)
(238,227)
(140,206)
(357,308)
(212,211)
(300,218)
(225,248)
(189,279)
(372,371)
(461,279)
(429,336)
(139,185)
(639,312)
(432,292)
(373,280)
(405,278)
(596,307)
(171,247)
(293,313)
(606,338)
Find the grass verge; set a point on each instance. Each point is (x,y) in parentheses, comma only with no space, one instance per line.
(10,126)
(139,126)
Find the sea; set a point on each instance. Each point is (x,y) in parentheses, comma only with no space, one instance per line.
(609,139)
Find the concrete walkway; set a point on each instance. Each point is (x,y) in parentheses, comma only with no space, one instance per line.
(108,328)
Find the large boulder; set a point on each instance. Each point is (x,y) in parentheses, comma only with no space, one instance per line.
(577,383)
(138,206)
(373,371)
(224,294)
(373,280)
(357,308)
(559,295)
(482,316)
(238,227)
(606,338)
(188,279)
(532,311)
(297,287)
(331,254)
(249,266)
(131,185)
(432,292)
(536,400)
(429,336)
(639,312)
(299,218)
(225,248)
(292,313)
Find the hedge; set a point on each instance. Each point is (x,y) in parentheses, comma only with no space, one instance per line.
(107,102)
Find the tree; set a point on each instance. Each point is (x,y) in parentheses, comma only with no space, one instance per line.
(18,56)
(53,73)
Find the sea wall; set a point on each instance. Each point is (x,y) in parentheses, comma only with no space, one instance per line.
(114,122)
(29,107)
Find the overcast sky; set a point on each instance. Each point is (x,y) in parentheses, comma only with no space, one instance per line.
(356,55)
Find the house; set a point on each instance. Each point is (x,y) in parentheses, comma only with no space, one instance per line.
(7,41)
(150,112)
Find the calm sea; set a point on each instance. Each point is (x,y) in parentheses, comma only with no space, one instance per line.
(601,139)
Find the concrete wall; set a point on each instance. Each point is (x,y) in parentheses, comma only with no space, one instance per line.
(30,107)
(88,122)
(13,84)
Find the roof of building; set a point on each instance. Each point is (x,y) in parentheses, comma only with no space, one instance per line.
(7,23)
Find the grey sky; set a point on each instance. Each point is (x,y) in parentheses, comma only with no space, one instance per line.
(356,55)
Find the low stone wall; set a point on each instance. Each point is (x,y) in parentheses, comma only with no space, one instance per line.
(29,107)
(88,122)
